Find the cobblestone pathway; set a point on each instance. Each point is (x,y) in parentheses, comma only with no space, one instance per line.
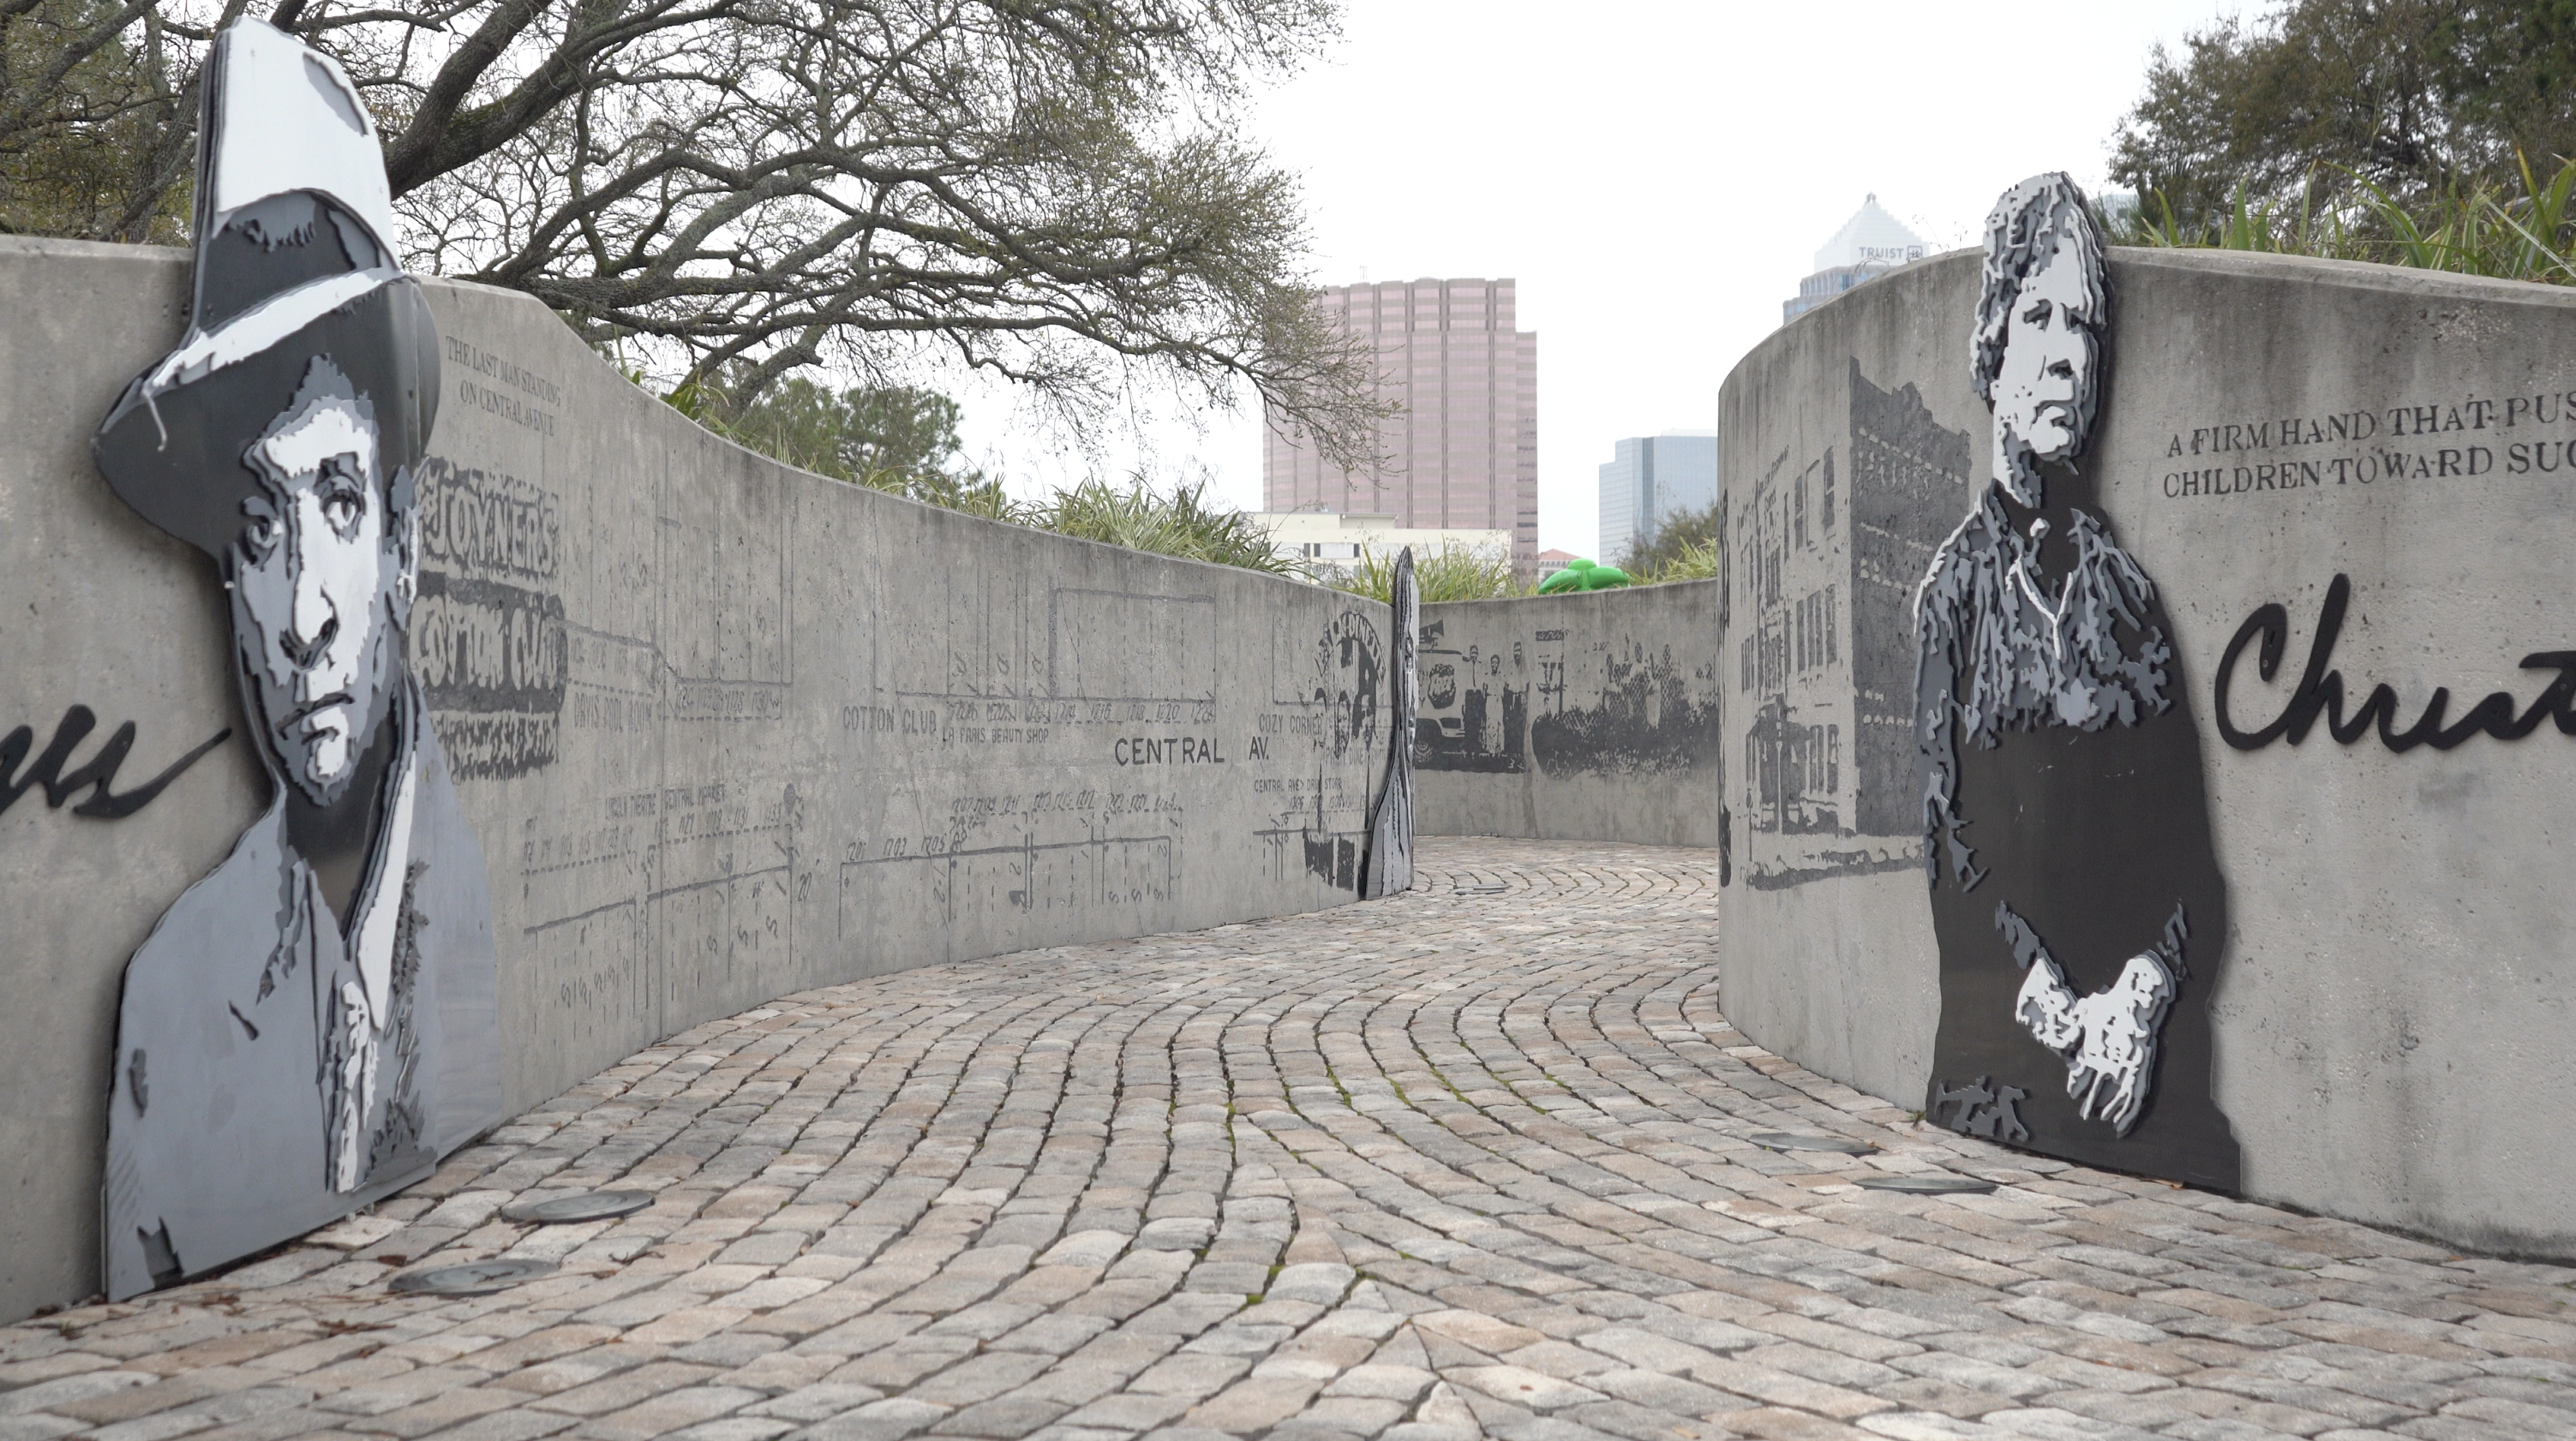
(1470,1161)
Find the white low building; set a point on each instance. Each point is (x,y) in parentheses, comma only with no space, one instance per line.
(1329,542)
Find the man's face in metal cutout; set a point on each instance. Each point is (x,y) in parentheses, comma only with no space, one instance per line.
(2047,367)
(318,585)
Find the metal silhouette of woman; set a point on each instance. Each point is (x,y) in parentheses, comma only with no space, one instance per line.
(2076,897)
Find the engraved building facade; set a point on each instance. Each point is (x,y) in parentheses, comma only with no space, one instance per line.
(1827,553)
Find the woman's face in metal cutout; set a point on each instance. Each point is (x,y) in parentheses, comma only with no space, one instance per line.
(2046,372)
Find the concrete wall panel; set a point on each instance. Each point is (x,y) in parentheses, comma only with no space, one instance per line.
(2390,1030)
(107,614)
(1590,716)
(726,731)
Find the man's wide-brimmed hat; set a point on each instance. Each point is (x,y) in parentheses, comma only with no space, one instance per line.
(295,262)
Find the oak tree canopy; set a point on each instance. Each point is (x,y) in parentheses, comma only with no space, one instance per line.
(2316,97)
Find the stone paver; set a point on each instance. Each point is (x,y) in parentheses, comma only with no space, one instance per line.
(1470,1161)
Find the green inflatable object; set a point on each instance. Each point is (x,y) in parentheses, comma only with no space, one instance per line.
(1584,575)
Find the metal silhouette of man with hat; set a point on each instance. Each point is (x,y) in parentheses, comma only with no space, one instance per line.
(313,1023)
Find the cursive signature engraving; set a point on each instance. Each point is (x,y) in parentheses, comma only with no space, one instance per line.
(2321,691)
(97,775)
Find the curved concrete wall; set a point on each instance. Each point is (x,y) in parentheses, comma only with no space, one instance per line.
(1590,716)
(726,730)
(2391,1026)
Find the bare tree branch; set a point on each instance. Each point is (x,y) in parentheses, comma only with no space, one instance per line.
(1049,190)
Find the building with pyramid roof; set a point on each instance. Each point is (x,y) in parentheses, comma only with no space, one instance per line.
(1870,244)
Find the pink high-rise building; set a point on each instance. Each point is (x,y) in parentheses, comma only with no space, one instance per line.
(1461,453)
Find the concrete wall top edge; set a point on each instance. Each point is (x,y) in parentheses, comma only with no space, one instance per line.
(2354,274)
(1579,595)
(96,249)
(14,247)
(2360,275)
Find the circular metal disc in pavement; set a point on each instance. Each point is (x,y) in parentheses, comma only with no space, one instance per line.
(479,1278)
(1791,1141)
(581,1206)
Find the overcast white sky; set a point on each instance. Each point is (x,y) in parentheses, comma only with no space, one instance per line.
(1657,175)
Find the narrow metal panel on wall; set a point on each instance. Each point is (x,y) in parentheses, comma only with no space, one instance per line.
(1390,861)
(313,1023)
